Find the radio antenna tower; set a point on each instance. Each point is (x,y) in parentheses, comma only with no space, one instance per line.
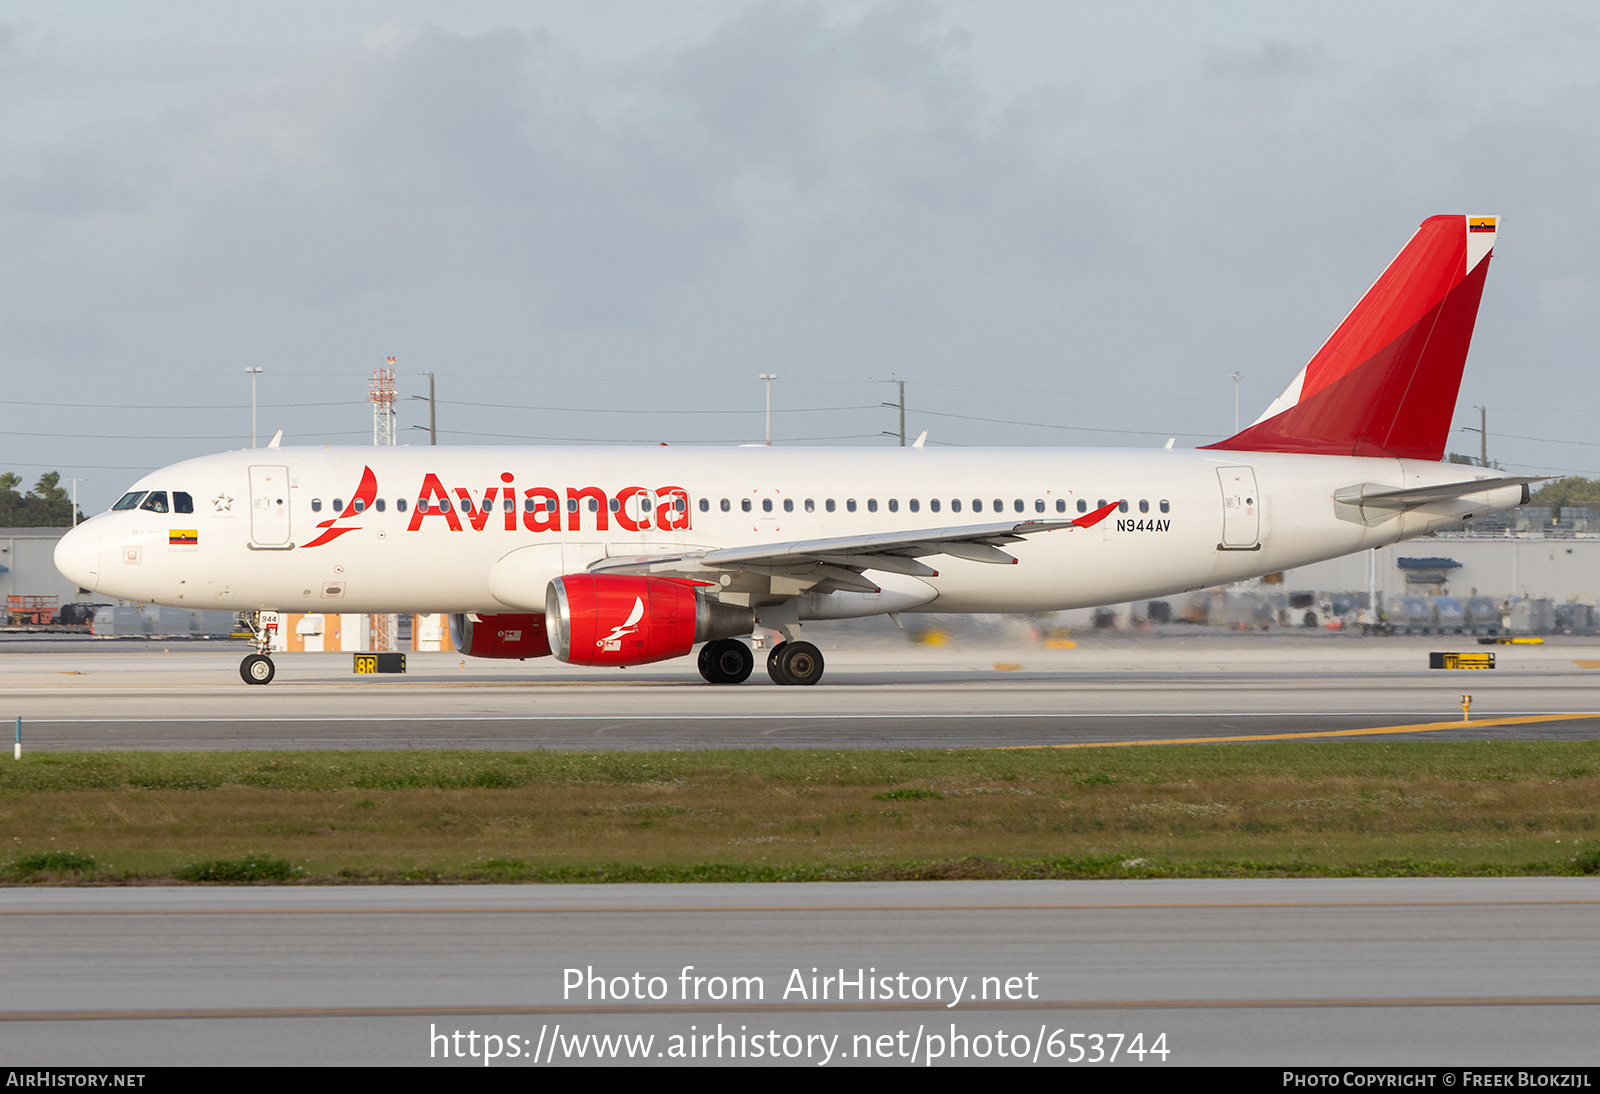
(382,398)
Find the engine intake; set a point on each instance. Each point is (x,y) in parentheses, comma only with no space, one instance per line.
(617,619)
(508,636)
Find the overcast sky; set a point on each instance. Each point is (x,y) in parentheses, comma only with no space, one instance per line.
(1060,224)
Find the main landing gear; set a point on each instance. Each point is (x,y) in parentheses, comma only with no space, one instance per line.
(798,663)
(726,661)
(258,667)
(729,661)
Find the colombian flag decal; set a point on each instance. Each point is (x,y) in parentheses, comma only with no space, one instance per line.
(183,537)
(1480,224)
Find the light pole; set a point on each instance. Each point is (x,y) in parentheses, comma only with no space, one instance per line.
(75,483)
(254,371)
(769,377)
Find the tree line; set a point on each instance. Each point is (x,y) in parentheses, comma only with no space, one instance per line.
(47,505)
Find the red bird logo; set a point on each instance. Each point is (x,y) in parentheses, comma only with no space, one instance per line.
(366,494)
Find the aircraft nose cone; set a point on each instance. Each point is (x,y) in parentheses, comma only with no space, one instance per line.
(78,556)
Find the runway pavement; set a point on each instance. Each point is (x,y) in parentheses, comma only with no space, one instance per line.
(185,696)
(1342,973)
(188,695)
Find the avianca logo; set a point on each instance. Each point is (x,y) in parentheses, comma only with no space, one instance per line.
(366,493)
(633,508)
(613,641)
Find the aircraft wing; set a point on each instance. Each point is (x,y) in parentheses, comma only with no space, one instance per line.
(838,561)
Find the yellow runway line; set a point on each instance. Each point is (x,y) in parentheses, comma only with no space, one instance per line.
(1425,727)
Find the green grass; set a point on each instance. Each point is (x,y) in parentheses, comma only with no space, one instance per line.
(1279,809)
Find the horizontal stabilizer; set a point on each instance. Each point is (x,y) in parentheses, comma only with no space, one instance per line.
(1369,494)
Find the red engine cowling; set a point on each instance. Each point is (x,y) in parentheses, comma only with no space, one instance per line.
(518,636)
(616,619)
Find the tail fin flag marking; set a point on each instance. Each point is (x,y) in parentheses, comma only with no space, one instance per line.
(1385,383)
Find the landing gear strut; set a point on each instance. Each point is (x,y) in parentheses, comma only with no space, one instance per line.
(726,661)
(258,667)
(795,663)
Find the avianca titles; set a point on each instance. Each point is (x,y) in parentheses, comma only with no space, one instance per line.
(616,556)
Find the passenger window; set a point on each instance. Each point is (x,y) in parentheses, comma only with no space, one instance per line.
(1038,505)
(1122,506)
(725,505)
(850,504)
(316,505)
(359,505)
(955,505)
(378,505)
(788,505)
(1101,504)
(594,505)
(400,505)
(744,503)
(129,500)
(705,505)
(614,505)
(156,502)
(894,505)
(977,505)
(1061,505)
(338,506)
(766,505)
(933,504)
(811,506)
(872,505)
(181,502)
(645,505)
(1163,505)
(828,505)
(999,506)
(572,505)
(466,505)
(1144,505)
(1083,505)
(913,505)
(1017,505)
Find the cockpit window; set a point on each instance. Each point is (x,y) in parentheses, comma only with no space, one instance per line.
(129,500)
(156,502)
(182,502)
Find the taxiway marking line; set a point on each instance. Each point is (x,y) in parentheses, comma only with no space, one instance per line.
(776,1008)
(1425,727)
(802,717)
(703,909)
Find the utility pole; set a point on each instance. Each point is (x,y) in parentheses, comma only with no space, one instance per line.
(1236,402)
(769,377)
(1483,434)
(254,372)
(431,427)
(902,405)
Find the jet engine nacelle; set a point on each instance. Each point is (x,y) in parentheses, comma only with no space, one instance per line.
(617,619)
(516,635)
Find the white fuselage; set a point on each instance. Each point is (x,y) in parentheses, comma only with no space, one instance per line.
(264,531)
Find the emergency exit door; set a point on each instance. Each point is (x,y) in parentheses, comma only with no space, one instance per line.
(1241,509)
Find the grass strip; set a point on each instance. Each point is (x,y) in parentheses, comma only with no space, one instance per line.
(1408,808)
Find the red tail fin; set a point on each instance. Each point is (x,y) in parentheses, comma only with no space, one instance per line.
(1385,384)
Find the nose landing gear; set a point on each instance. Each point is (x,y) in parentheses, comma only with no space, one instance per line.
(258,667)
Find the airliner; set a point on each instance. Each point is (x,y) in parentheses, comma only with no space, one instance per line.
(627,556)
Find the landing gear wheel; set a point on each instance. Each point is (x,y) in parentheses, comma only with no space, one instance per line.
(257,669)
(796,663)
(726,661)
